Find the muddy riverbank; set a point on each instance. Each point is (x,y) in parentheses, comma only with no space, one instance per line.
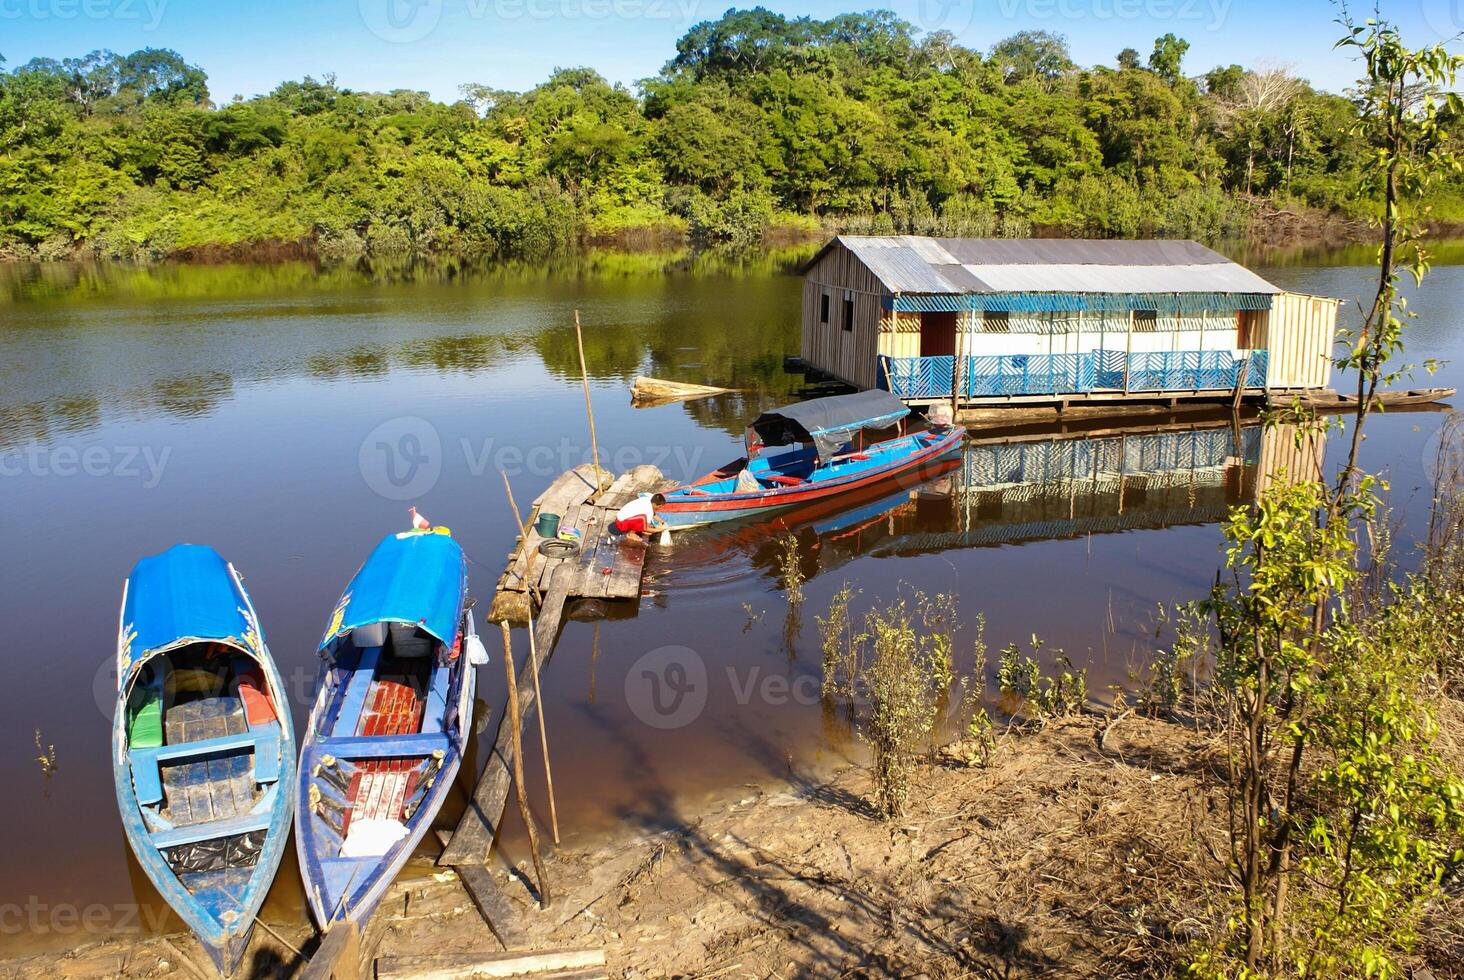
(1086,848)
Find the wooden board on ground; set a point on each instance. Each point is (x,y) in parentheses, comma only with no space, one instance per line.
(337,956)
(539,963)
(494,906)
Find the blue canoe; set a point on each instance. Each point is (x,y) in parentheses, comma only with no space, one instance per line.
(824,462)
(203,749)
(390,722)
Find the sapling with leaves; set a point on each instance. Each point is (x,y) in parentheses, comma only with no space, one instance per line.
(1341,817)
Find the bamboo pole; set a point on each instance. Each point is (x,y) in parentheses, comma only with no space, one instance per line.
(579,339)
(534,666)
(518,766)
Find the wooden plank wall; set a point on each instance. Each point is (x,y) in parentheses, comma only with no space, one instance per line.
(848,355)
(1289,454)
(899,334)
(1298,331)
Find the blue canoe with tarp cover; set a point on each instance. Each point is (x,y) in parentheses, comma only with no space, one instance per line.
(830,455)
(390,723)
(203,749)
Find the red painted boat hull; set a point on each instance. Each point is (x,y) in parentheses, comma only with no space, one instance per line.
(688,511)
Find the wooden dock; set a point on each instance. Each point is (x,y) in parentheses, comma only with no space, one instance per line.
(607,566)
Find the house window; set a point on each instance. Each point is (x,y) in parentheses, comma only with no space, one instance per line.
(996,321)
(849,311)
(823,308)
(1146,321)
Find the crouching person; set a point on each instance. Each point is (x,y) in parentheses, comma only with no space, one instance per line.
(639,518)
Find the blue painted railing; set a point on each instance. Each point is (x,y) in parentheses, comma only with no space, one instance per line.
(1069,374)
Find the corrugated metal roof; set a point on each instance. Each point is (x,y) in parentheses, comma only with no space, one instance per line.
(900,267)
(911,264)
(1226,277)
(1078,251)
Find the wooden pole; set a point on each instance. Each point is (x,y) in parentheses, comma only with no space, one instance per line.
(956,370)
(1240,380)
(579,339)
(1128,358)
(518,766)
(534,666)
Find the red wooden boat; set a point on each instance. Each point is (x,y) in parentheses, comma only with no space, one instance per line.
(823,462)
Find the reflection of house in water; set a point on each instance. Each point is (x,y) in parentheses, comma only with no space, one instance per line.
(1019,488)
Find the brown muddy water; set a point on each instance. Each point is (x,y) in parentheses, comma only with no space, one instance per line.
(289,415)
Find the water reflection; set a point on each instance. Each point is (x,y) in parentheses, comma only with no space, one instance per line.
(1017,488)
(81,282)
(93,341)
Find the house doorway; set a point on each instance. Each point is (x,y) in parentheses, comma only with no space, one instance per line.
(1246,328)
(937,334)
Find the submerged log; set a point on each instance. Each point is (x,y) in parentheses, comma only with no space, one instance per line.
(655,391)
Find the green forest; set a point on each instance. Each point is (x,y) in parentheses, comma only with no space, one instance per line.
(760,125)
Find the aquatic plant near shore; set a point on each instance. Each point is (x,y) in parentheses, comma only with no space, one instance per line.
(45,756)
(1048,695)
(791,564)
(901,683)
(841,646)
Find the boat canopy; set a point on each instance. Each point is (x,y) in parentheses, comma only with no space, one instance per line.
(417,577)
(828,423)
(187,594)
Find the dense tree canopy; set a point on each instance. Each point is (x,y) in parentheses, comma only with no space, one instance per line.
(758,120)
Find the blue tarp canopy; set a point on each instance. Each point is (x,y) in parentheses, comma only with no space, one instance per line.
(417,577)
(185,595)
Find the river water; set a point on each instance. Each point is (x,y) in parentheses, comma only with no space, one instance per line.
(289,415)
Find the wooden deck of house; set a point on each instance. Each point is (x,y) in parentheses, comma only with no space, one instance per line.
(607,567)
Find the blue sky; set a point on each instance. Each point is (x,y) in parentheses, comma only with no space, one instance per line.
(436,45)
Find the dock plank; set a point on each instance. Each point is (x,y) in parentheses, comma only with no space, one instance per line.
(570,489)
(624,580)
(476,830)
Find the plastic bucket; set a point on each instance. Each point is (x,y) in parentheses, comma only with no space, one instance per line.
(547,525)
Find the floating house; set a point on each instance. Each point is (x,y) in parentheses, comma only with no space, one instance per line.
(1001,321)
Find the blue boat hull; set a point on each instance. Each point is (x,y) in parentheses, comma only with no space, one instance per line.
(219,906)
(390,723)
